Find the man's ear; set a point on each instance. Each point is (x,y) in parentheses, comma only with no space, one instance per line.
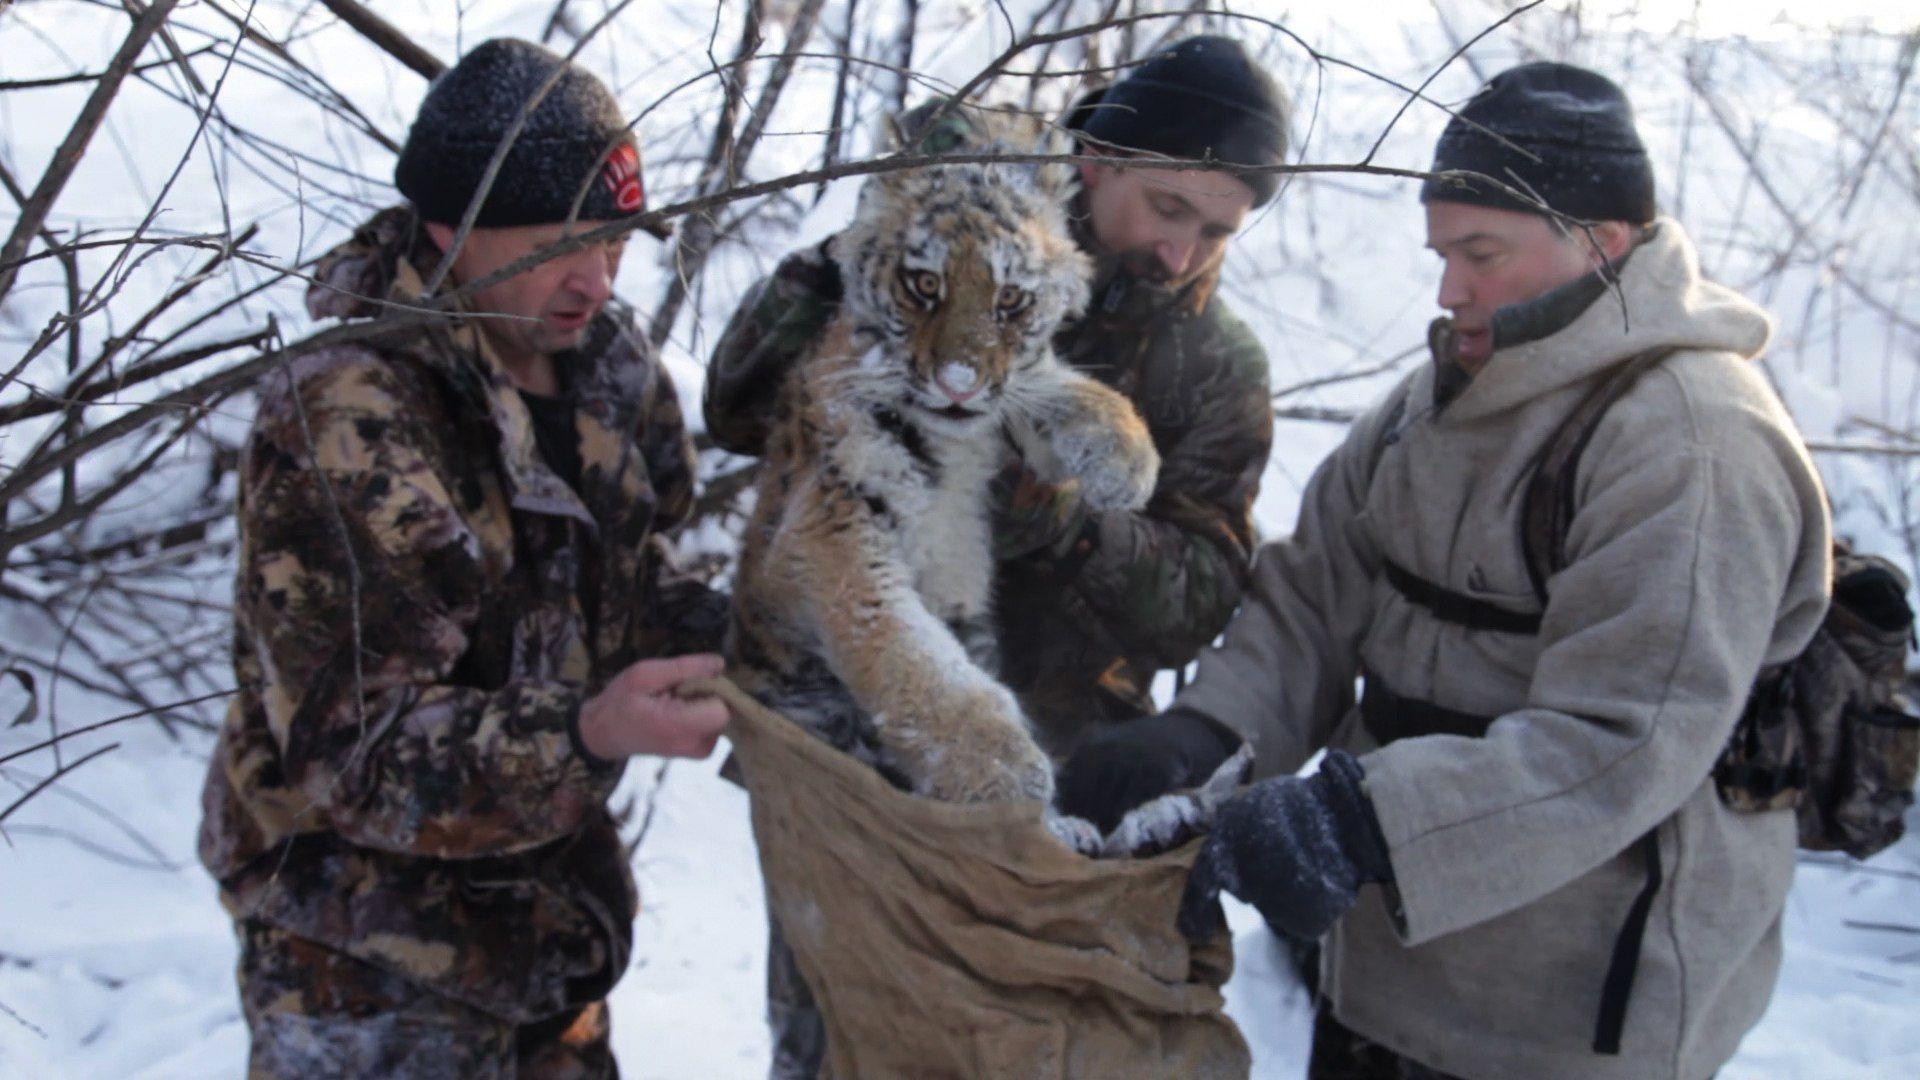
(1091,174)
(441,235)
(1614,239)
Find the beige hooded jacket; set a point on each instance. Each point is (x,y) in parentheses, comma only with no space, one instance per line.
(1698,552)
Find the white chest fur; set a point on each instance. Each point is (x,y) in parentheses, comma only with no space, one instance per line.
(934,500)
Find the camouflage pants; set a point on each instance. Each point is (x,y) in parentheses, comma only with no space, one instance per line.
(315,1013)
(1342,1054)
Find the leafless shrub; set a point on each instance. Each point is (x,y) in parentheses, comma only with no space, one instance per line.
(140,325)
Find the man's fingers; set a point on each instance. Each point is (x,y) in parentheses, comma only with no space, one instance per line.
(691,727)
(661,675)
(698,716)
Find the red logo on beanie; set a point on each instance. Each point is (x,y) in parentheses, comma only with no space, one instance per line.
(621,174)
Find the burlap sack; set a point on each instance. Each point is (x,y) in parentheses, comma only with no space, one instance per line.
(965,941)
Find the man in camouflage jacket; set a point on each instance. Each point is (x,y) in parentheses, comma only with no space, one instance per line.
(1089,605)
(450,616)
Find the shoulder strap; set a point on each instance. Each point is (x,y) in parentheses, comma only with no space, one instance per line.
(1546,509)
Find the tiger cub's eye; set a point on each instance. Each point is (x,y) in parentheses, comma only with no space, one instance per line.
(922,285)
(1011,300)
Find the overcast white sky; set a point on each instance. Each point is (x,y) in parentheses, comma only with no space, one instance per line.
(1755,18)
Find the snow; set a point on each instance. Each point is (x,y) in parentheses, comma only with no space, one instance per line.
(115,957)
(114,970)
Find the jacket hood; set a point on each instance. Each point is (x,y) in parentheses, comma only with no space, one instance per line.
(1662,302)
(353,278)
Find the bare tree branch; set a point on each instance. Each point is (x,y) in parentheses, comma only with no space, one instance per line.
(697,234)
(54,776)
(91,76)
(33,213)
(389,37)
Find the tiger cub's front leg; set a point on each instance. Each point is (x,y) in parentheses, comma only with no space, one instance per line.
(1070,427)
(943,721)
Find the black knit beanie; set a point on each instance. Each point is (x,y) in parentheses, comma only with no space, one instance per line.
(1562,133)
(1200,99)
(574,138)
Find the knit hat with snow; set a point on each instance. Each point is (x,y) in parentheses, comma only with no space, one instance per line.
(1200,99)
(1562,133)
(574,138)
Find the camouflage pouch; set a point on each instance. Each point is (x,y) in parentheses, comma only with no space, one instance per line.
(1827,733)
(1869,811)
(1764,765)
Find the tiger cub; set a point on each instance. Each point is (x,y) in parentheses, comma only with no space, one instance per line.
(861,607)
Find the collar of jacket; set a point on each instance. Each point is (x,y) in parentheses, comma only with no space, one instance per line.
(1586,327)
(1515,324)
(389,257)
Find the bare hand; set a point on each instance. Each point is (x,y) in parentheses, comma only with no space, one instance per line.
(638,712)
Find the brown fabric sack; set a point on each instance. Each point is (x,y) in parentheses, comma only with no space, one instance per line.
(965,941)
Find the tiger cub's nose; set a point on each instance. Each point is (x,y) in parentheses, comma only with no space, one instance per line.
(959,382)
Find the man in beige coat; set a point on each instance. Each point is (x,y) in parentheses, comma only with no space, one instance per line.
(1514,841)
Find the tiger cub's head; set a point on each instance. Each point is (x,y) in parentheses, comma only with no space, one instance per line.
(958,275)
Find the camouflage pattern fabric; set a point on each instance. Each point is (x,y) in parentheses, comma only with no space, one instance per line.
(1089,605)
(422,606)
(1829,733)
(318,1013)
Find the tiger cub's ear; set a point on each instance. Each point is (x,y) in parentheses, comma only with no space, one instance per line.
(932,127)
(1058,180)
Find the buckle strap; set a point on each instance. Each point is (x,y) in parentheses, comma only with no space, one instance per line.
(1760,781)
(1458,608)
(1618,987)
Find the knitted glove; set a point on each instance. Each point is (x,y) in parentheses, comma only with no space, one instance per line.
(1297,848)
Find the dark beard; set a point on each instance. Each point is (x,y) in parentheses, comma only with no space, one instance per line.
(1144,266)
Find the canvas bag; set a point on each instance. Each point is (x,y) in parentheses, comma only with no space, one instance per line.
(942,940)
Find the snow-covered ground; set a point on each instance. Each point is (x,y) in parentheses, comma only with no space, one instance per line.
(115,959)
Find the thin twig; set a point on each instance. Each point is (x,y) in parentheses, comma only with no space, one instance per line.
(696,240)
(110,721)
(90,76)
(42,404)
(57,774)
(1336,378)
(33,213)
(1419,92)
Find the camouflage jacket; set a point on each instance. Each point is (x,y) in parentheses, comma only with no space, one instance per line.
(1083,624)
(422,606)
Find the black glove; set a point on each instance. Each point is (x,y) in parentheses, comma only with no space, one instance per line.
(1297,848)
(1131,763)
